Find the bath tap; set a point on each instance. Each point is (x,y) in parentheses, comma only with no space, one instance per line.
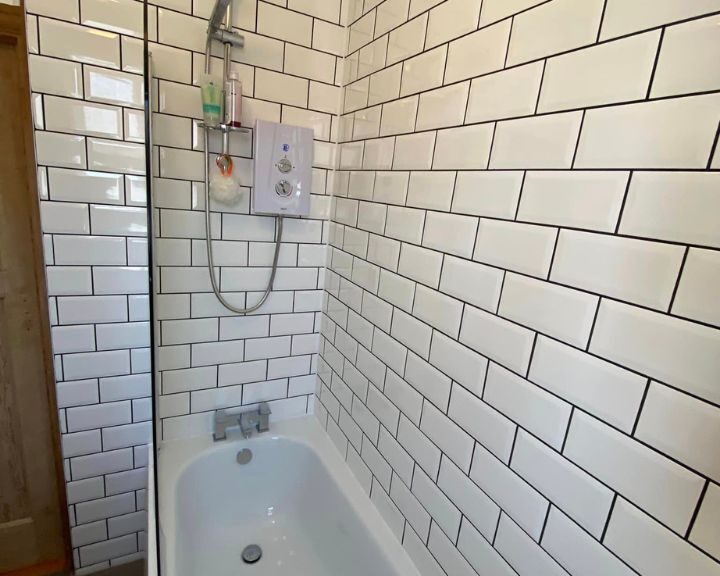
(249,421)
(255,420)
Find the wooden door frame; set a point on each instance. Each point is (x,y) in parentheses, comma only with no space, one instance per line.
(13,30)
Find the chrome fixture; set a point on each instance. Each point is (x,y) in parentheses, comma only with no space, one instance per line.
(249,422)
(220,29)
(256,420)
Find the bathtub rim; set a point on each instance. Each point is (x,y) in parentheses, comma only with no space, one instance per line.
(175,456)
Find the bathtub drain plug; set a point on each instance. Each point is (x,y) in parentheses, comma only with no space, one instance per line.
(251,554)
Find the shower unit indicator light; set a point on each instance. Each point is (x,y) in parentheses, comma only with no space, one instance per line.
(286,147)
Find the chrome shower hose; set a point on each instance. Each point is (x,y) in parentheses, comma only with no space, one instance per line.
(208,236)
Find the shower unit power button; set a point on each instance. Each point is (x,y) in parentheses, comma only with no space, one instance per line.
(283,169)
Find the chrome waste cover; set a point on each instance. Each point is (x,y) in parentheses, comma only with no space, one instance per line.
(244,456)
(251,554)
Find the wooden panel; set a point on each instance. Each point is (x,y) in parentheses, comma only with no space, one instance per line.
(33,513)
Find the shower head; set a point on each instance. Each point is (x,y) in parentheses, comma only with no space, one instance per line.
(218,14)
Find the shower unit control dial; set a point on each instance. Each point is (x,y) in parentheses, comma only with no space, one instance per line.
(283,169)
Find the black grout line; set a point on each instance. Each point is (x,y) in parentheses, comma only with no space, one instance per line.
(640,410)
(655,63)
(696,512)
(714,148)
(679,279)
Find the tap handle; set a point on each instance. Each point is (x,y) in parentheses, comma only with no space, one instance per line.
(264,409)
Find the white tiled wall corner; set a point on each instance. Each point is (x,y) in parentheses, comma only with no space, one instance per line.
(536,182)
(94,217)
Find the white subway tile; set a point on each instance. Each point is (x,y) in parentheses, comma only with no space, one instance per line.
(521,247)
(498,339)
(79,43)
(625,16)
(420,264)
(385,85)
(111,156)
(679,353)
(413,511)
(60,150)
(484,423)
(494,10)
(553,28)
(92,309)
(68,280)
(188,331)
(464,148)
(424,452)
(77,393)
(582,199)
(96,364)
(524,555)
(696,298)
(705,530)
(506,94)
(538,142)
(604,74)
(125,335)
(471,501)
(83,186)
(62,218)
(478,551)
(423,72)
(441,312)
(113,87)
(603,389)
(55,76)
(431,190)
(515,496)
(579,495)
(284,24)
(634,270)
(411,332)
(649,548)
(493,193)
(450,234)
(665,489)
(120,280)
(455,443)
(405,224)
(577,551)
(413,152)
(89,250)
(527,404)
(478,53)
(447,554)
(407,40)
(683,427)
(98,415)
(450,20)
(442,107)
(681,131)
(461,363)
(404,397)
(105,507)
(473,283)
(60,9)
(686,64)
(560,312)
(677,206)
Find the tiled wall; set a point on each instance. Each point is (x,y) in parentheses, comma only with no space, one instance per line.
(86,77)
(520,352)
(208,357)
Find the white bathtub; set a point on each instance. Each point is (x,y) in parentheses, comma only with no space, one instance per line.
(296,499)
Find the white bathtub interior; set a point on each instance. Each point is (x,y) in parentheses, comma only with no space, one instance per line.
(296,499)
